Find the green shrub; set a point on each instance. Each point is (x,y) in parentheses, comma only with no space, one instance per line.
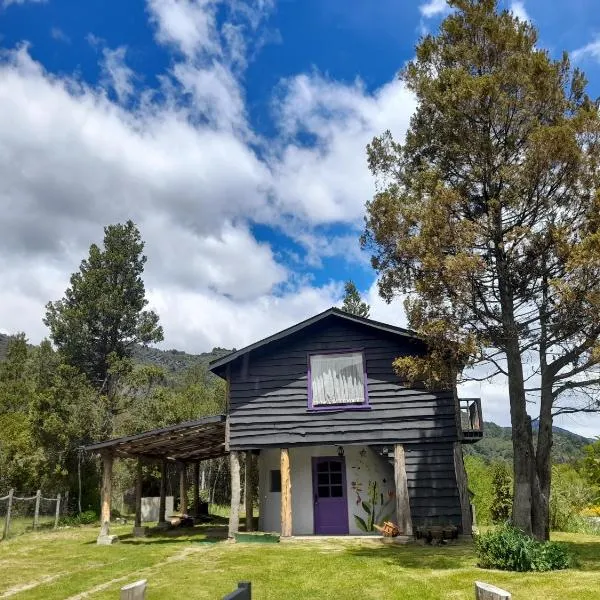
(509,549)
(87,517)
(570,494)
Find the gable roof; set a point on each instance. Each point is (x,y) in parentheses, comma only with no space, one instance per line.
(217,364)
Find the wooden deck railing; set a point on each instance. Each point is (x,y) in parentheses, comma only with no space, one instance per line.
(471,419)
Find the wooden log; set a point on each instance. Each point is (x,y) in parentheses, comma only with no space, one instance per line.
(234,514)
(249,490)
(138,494)
(286,494)
(106,492)
(6,530)
(403,515)
(57,512)
(183,507)
(196,508)
(463,489)
(134,591)
(36,512)
(486,591)
(162,506)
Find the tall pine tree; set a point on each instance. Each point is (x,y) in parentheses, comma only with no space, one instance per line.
(488,217)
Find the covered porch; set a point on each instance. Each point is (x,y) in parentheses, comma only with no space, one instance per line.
(178,447)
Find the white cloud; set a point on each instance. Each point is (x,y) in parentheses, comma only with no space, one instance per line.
(187,171)
(56,33)
(328,180)
(116,72)
(518,10)
(6,3)
(433,8)
(591,50)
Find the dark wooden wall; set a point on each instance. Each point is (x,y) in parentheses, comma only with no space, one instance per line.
(432,487)
(269,395)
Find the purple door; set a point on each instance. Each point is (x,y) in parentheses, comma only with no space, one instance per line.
(329,495)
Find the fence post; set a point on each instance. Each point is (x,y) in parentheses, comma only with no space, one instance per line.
(11,493)
(57,515)
(36,514)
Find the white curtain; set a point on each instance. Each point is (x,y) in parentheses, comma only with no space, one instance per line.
(337,379)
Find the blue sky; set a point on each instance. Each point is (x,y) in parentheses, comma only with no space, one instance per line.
(232,131)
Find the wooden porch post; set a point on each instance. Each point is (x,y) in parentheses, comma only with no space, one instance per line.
(234,515)
(138,530)
(196,507)
(249,490)
(402,499)
(286,494)
(463,490)
(162,507)
(183,507)
(106,494)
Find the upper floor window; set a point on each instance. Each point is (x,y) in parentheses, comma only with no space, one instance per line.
(337,379)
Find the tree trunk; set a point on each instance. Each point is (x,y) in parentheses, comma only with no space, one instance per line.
(523,463)
(543,464)
(521,424)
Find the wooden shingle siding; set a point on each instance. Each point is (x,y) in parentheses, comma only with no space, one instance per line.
(269,395)
(432,485)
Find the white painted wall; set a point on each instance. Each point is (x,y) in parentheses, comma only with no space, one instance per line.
(363,467)
(150,506)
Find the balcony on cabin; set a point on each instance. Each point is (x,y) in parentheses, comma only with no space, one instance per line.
(471,420)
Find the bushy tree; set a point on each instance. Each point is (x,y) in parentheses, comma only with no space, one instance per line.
(501,494)
(591,465)
(488,218)
(102,315)
(353,303)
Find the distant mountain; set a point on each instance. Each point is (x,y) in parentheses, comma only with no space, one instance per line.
(175,361)
(497,444)
(172,361)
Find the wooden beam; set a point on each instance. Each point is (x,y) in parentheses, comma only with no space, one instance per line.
(138,494)
(162,507)
(196,507)
(106,493)
(403,515)
(249,490)
(463,490)
(286,494)
(183,507)
(234,515)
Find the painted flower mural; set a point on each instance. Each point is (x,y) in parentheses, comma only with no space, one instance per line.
(376,506)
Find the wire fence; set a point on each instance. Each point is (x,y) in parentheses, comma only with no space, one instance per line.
(22,512)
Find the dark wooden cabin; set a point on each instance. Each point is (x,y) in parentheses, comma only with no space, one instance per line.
(342,442)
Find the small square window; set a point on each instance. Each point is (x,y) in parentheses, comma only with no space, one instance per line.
(275,484)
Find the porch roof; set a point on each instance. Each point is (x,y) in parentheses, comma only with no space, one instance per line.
(191,441)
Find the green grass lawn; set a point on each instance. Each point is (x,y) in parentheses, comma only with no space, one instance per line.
(68,564)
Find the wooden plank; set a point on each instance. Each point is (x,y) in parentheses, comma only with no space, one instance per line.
(486,591)
(162,506)
(36,512)
(6,530)
(463,489)
(249,490)
(134,591)
(402,499)
(286,494)
(243,592)
(234,514)
(183,504)
(138,494)
(106,491)
(196,493)
(57,511)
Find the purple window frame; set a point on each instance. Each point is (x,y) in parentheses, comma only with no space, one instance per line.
(342,406)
